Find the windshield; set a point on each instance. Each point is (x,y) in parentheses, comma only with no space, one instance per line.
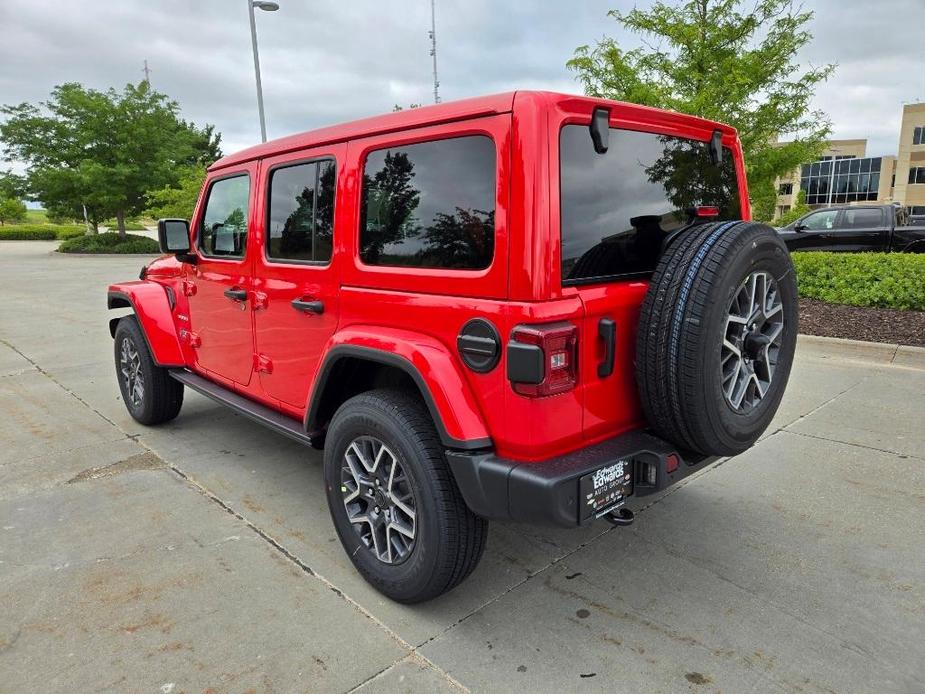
(617,207)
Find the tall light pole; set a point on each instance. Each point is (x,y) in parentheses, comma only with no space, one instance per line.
(267,7)
(834,151)
(433,48)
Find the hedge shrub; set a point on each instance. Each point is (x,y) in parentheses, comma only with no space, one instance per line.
(40,232)
(883,280)
(109,243)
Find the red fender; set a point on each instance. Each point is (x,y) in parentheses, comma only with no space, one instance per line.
(430,364)
(152,307)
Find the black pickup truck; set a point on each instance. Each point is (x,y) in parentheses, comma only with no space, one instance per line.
(884,228)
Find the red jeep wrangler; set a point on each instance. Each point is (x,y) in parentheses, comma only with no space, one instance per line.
(528,306)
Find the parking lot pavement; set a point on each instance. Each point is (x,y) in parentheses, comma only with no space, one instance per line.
(200,555)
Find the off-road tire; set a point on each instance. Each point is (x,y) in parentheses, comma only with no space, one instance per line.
(682,327)
(449,538)
(163,396)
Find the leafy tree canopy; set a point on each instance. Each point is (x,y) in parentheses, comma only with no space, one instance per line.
(11,185)
(179,199)
(714,59)
(11,210)
(105,150)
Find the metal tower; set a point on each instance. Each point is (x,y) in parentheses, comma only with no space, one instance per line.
(433,48)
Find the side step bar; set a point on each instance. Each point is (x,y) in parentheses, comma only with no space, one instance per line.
(259,413)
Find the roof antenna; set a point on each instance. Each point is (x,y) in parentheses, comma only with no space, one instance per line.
(433,47)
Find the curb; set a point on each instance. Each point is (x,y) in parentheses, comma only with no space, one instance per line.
(105,255)
(886,354)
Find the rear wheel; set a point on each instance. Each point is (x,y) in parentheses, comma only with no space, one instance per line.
(394,502)
(150,395)
(717,335)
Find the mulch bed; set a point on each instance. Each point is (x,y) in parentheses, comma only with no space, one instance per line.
(862,323)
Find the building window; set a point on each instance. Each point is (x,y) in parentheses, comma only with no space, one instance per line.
(430,204)
(850,179)
(918,135)
(785,189)
(917,174)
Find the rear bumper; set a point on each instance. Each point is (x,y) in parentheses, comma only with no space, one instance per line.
(548,491)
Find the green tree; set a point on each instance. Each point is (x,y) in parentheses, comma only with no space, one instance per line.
(713,59)
(795,212)
(11,210)
(179,199)
(11,185)
(103,150)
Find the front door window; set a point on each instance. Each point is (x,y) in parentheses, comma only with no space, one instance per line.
(821,221)
(223,231)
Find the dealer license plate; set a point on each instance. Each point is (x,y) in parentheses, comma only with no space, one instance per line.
(606,488)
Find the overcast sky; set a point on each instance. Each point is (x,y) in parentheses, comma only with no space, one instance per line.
(326,61)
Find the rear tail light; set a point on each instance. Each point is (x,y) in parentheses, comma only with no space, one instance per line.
(671,463)
(706,211)
(543,359)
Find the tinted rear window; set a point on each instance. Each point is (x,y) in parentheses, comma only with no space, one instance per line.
(301,223)
(862,218)
(617,207)
(430,204)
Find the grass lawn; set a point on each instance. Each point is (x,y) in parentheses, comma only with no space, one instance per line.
(36,217)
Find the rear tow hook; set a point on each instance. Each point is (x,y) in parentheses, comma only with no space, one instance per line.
(622,516)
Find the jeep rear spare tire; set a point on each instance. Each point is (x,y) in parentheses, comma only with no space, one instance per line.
(716,337)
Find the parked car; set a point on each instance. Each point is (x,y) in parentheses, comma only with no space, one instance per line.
(885,228)
(528,306)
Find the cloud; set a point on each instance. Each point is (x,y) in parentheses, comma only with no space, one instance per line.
(327,61)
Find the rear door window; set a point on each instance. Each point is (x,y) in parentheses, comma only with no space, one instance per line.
(862,218)
(430,204)
(301,215)
(617,207)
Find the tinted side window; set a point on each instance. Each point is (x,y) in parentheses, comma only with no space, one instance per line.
(301,221)
(430,204)
(223,230)
(862,218)
(820,220)
(617,207)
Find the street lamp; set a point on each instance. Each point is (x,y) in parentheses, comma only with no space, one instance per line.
(834,151)
(266,7)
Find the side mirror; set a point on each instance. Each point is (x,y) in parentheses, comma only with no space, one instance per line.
(173,235)
(799,227)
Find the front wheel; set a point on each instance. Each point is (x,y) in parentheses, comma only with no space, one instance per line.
(394,501)
(150,395)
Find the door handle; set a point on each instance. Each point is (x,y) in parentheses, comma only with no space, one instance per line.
(308,306)
(236,294)
(607,331)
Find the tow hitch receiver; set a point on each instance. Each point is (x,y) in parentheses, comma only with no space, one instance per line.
(621,516)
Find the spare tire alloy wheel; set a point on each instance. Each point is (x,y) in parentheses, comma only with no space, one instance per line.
(378,499)
(752,343)
(132,375)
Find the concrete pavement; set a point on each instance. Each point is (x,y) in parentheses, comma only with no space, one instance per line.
(199,556)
